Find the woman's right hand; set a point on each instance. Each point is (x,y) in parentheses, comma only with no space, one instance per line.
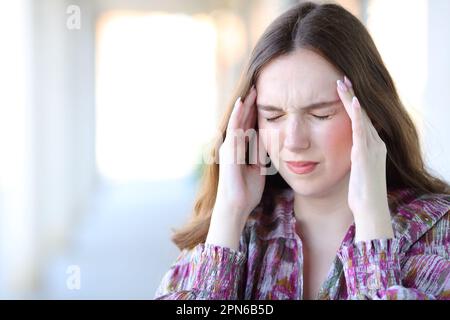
(240,185)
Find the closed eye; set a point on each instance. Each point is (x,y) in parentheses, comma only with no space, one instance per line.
(322,117)
(273,119)
(317,117)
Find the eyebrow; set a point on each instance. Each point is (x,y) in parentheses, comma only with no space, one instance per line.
(318,105)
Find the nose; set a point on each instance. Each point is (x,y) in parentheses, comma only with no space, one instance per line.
(297,135)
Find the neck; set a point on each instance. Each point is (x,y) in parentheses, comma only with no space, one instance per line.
(324,214)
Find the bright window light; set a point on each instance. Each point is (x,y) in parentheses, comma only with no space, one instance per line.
(156,94)
(399,29)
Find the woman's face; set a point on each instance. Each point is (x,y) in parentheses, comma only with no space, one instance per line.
(323,134)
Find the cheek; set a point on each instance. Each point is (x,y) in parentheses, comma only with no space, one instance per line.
(336,139)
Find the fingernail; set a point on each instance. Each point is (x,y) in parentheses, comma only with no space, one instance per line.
(342,86)
(237,101)
(355,102)
(348,82)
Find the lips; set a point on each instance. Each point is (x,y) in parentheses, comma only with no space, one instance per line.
(301,167)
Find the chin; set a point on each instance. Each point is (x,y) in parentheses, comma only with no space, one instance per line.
(319,185)
(308,189)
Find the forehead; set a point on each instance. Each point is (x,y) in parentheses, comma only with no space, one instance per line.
(299,78)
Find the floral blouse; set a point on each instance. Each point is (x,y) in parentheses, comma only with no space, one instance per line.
(415,264)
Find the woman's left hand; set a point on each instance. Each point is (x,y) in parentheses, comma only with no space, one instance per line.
(367,194)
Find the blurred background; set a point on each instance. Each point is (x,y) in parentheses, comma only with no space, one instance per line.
(106,107)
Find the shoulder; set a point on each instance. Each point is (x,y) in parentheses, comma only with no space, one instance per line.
(418,217)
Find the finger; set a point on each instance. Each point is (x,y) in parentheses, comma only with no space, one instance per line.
(351,92)
(249,104)
(358,116)
(370,128)
(358,125)
(250,122)
(348,83)
(347,92)
(346,97)
(367,123)
(373,133)
(233,122)
(230,138)
(373,138)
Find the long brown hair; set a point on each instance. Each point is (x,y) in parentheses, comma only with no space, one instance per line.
(342,39)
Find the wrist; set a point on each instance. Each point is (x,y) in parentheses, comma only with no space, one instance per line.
(225,228)
(370,227)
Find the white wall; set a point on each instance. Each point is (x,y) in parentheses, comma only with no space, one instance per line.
(414,40)
(17,220)
(437,93)
(52,171)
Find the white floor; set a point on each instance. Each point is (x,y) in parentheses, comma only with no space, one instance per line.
(123,246)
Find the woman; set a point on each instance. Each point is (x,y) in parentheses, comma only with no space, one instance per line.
(351,212)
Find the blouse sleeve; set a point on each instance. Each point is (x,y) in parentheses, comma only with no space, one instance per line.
(377,269)
(206,272)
